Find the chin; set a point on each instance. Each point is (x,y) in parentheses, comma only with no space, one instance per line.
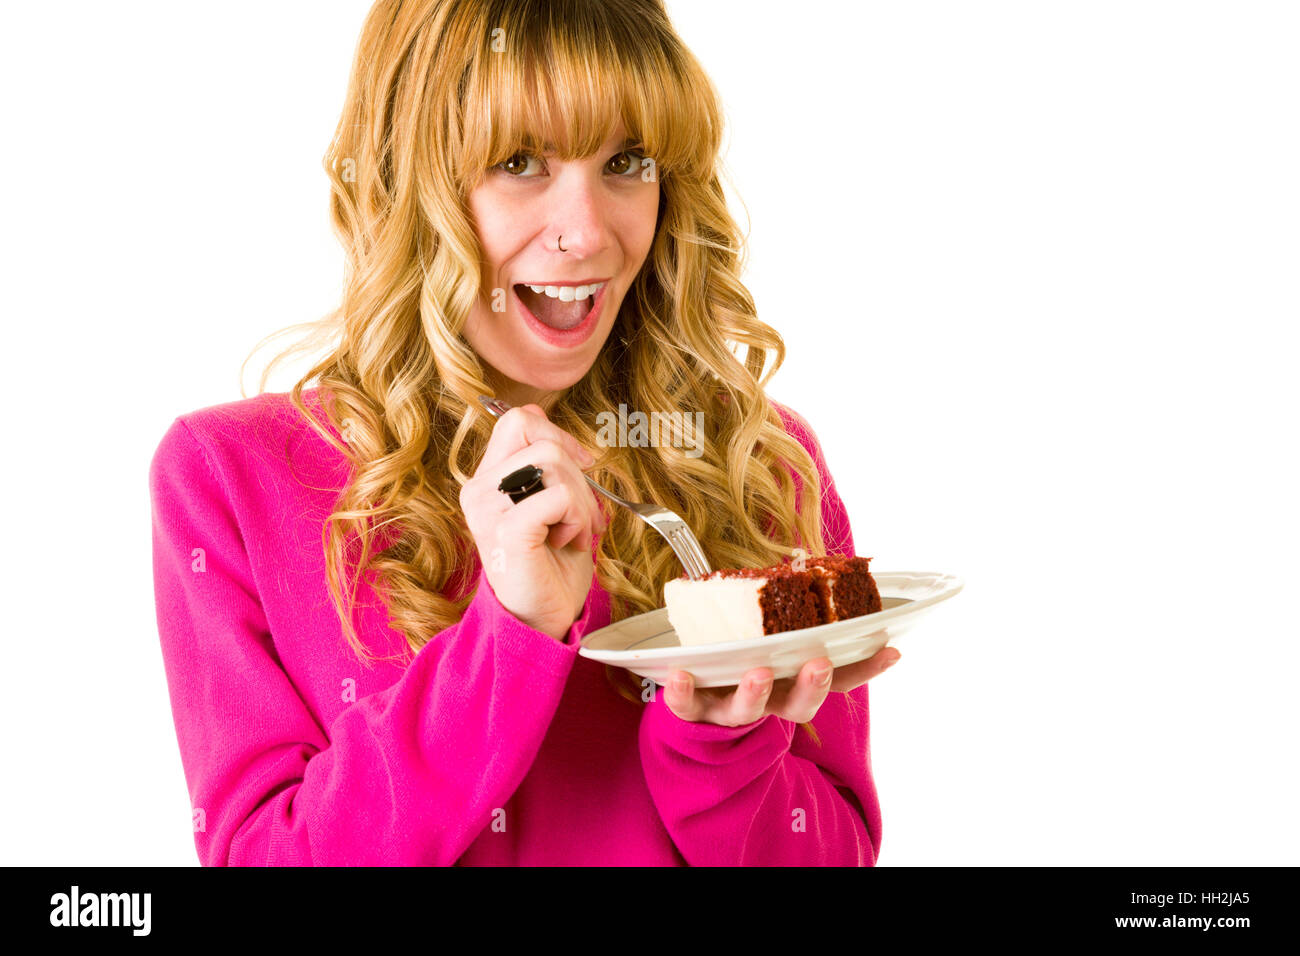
(558,382)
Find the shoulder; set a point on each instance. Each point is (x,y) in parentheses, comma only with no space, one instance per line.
(245,437)
(249,419)
(792,419)
(797,427)
(836,532)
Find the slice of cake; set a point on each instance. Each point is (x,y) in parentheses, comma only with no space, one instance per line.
(737,604)
(844,587)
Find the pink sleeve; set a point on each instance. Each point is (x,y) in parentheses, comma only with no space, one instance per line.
(765,794)
(408,775)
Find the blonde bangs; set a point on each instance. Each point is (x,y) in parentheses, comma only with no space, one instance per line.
(564,74)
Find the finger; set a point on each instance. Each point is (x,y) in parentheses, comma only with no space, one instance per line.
(582,458)
(749,701)
(681,699)
(582,541)
(550,516)
(521,427)
(800,700)
(855,675)
(557,469)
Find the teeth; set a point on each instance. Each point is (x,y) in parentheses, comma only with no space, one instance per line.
(568,293)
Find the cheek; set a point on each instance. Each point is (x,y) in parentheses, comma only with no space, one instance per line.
(641,225)
(493,225)
(473,329)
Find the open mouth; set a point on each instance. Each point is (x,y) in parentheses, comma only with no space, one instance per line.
(560,307)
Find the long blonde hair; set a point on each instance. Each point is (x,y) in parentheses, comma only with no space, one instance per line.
(440,91)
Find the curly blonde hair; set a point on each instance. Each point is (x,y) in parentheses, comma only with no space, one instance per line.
(440,91)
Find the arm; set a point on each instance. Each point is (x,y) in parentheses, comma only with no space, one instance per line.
(408,775)
(765,793)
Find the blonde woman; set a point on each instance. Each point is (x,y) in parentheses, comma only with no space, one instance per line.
(371,649)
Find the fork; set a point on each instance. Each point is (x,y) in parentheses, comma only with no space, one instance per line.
(675,531)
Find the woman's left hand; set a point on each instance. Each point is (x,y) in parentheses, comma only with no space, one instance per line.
(796,699)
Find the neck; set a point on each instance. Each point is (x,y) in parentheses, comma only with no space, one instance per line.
(516,394)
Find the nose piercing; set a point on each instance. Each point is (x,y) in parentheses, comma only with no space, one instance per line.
(558,246)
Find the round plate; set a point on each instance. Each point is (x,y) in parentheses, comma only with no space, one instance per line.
(647,645)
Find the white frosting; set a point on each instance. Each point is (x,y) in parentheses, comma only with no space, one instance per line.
(720,609)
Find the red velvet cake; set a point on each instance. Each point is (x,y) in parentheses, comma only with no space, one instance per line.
(844,587)
(740,603)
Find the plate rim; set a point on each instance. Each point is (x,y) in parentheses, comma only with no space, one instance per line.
(953,586)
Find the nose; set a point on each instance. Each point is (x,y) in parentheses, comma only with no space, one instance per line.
(578,215)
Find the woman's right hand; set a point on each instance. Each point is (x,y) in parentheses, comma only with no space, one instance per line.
(535,554)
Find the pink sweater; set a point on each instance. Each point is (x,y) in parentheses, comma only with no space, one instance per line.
(496,744)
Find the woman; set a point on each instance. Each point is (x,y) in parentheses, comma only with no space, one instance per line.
(371,650)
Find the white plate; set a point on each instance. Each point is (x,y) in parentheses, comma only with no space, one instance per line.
(647,645)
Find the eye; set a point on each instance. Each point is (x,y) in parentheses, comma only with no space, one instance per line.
(519,165)
(626,163)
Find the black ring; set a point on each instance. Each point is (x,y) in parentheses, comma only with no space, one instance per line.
(522,483)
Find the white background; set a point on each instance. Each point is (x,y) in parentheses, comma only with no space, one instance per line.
(1036,266)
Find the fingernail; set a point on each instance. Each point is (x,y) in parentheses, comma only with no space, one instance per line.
(681,686)
(823,676)
(761,687)
(890,663)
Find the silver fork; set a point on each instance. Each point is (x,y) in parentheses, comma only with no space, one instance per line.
(675,531)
